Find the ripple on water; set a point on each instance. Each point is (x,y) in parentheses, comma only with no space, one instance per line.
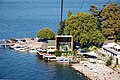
(20,66)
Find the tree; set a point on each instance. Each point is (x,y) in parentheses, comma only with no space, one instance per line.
(62,25)
(111,20)
(96,12)
(118,36)
(117,62)
(83,27)
(69,13)
(108,62)
(45,33)
(61,29)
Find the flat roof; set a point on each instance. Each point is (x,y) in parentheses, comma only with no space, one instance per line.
(64,36)
(117,47)
(111,50)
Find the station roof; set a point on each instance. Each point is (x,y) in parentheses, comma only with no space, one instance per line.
(64,36)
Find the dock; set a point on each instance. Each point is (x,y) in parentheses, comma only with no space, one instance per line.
(46,57)
(3,43)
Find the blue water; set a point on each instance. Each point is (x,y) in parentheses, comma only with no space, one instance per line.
(26,66)
(23,18)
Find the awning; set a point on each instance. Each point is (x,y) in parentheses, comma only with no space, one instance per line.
(92,53)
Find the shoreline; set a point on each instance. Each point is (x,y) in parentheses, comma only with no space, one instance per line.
(88,70)
(80,73)
(98,75)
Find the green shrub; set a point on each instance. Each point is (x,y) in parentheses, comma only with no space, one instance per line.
(13,40)
(117,61)
(103,55)
(108,62)
(45,33)
(111,58)
(58,53)
(86,49)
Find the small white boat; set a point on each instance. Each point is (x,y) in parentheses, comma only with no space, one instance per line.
(63,60)
(23,50)
(15,46)
(39,49)
(33,51)
(43,50)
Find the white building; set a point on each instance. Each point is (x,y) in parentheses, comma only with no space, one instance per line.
(112,49)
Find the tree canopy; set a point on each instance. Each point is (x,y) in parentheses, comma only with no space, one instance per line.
(69,13)
(62,24)
(96,12)
(84,28)
(61,29)
(111,20)
(45,33)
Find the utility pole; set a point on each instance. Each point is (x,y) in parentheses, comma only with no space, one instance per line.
(61,10)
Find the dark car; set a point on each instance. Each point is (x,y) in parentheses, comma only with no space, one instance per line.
(42,40)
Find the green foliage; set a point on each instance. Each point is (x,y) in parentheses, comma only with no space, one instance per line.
(86,49)
(103,55)
(108,62)
(96,12)
(45,33)
(117,63)
(58,53)
(82,58)
(94,48)
(13,40)
(84,28)
(69,13)
(111,58)
(111,20)
(74,53)
(118,36)
(61,29)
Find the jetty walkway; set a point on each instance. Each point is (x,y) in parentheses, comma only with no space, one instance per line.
(3,43)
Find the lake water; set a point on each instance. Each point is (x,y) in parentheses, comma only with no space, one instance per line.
(23,18)
(26,66)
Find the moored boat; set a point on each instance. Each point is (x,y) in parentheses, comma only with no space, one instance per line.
(33,50)
(63,60)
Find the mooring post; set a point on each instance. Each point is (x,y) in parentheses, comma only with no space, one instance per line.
(5,44)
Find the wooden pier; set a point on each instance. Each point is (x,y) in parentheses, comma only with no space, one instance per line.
(3,43)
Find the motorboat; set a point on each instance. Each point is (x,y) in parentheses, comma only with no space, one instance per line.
(15,46)
(49,57)
(18,47)
(33,50)
(63,60)
(22,49)
(39,49)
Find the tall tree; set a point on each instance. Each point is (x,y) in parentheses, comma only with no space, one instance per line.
(61,28)
(96,12)
(111,20)
(62,25)
(84,28)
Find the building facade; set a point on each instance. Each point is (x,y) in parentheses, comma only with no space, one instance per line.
(64,42)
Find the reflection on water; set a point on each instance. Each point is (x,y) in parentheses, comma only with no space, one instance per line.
(20,66)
